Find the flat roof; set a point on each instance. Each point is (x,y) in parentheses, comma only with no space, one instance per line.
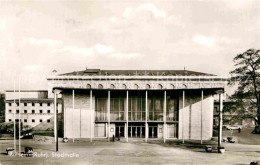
(93,72)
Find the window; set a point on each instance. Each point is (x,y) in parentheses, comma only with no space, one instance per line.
(49,104)
(40,104)
(172,108)
(16,120)
(10,111)
(33,120)
(155,106)
(10,119)
(136,106)
(48,111)
(33,104)
(33,111)
(17,104)
(25,111)
(117,106)
(48,121)
(101,108)
(40,111)
(25,104)
(25,120)
(40,120)
(10,104)
(17,111)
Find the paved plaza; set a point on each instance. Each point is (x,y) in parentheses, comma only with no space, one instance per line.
(154,152)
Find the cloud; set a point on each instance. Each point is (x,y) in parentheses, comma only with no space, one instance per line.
(103,49)
(142,8)
(113,19)
(77,50)
(3,26)
(58,47)
(2,53)
(127,12)
(125,55)
(31,67)
(45,42)
(204,40)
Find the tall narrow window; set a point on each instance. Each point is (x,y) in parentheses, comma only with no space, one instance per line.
(117,108)
(155,106)
(101,108)
(136,106)
(172,108)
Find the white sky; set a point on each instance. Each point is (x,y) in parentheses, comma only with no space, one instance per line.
(37,37)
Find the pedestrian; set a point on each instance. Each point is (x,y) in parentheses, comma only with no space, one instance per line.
(239,130)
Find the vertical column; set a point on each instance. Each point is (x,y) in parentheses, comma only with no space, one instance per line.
(108,115)
(146,110)
(183,106)
(91,109)
(19,116)
(73,104)
(201,121)
(55,117)
(14,121)
(56,92)
(65,123)
(220,119)
(164,117)
(127,116)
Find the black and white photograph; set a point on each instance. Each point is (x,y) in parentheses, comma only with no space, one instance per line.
(130,82)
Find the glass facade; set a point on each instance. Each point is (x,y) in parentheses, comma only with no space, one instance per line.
(117,108)
(136,106)
(155,106)
(172,108)
(137,113)
(101,108)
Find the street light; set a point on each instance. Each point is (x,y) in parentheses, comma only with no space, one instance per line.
(220,92)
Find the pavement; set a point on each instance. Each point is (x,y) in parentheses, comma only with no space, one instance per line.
(137,152)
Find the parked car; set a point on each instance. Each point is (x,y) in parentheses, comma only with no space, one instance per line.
(234,127)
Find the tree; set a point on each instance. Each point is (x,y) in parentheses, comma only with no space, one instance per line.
(247,76)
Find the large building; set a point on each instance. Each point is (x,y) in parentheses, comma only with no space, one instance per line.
(35,107)
(148,104)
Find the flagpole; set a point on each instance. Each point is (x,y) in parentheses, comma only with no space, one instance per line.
(14,120)
(19,115)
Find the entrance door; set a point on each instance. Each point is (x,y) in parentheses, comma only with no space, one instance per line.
(153,131)
(120,131)
(136,131)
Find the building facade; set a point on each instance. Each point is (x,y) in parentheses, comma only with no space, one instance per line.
(35,107)
(148,104)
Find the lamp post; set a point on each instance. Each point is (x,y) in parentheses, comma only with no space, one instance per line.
(220,92)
